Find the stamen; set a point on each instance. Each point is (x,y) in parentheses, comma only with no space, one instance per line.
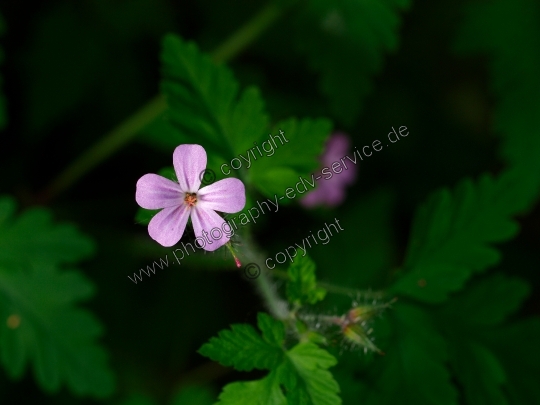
(190,199)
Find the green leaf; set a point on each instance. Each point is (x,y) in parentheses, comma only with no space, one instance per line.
(203,100)
(244,349)
(516,348)
(514,65)
(302,284)
(466,319)
(302,370)
(296,154)
(307,378)
(273,331)
(413,371)
(373,253)
(452,234)
(32,238)
(44,327)
(206,107)
(488,302)
(345,42)
(265,391)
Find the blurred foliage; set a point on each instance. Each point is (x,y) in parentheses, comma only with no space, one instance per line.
(345,43)
(37,300)
(462,78)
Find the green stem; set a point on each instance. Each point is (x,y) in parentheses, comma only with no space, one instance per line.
(127,130)
(274,303)
(248,33)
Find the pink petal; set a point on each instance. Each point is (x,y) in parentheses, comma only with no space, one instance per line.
(227,195)
(212,224)
(325,193)
(189,162)
(337,146)
(168,225)
(155,192)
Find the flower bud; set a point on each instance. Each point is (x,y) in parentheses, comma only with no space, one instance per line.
(357,336)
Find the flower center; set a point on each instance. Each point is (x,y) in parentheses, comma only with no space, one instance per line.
(190,199)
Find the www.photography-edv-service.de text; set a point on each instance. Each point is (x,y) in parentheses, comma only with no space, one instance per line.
(272,204)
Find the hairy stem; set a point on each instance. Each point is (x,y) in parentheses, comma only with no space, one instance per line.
(267,289)
(127,130)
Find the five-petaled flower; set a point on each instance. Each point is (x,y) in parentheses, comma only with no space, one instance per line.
(181,200)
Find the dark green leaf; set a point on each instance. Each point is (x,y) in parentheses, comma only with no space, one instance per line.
(44,327)
(453,232)
(413,371)
(345,42)
(33,238)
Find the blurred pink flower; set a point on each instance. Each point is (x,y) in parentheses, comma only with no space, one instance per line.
(181,200)
(331,192)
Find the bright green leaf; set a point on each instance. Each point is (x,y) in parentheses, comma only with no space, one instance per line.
(265,391)
(302,284)
(244,349)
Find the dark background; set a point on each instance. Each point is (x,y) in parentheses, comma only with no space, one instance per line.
(73,71)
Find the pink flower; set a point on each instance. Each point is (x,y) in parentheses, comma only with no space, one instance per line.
(331,192)
(181,200)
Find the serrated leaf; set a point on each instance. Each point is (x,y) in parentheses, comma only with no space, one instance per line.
(465,319)
(516,347)
(203,100)
(453,232)
(244,349)
(295,156)
(44,327)
(265,391)
(489,301)
(479,372)
(273,331)
(346,42)
(300,143)
(302,284)
(307,378)
(513,71)
(33,238)
(413,371)
(303,370)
